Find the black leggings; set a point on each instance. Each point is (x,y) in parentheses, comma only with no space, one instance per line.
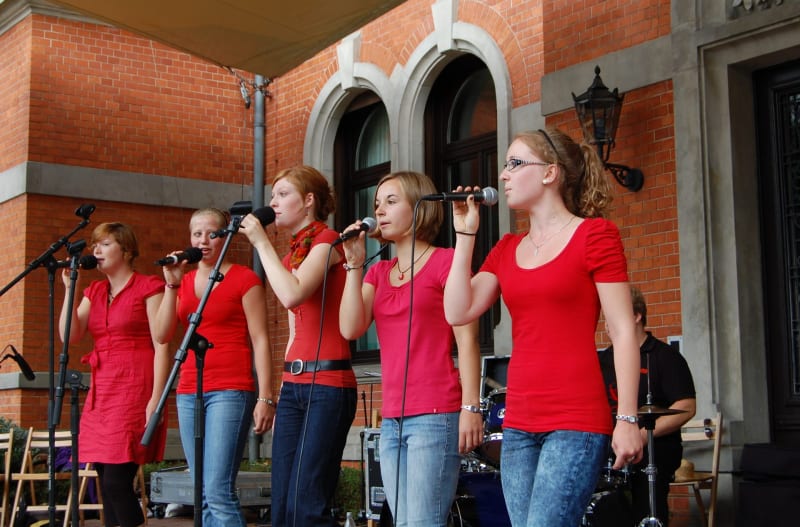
(120,504)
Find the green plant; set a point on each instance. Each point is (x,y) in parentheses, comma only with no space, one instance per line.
(19,442)
(348,491)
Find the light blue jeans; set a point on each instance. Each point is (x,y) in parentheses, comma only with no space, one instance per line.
(429,468)
(548,478)
(228,414)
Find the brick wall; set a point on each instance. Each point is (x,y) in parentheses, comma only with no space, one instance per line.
(89,95)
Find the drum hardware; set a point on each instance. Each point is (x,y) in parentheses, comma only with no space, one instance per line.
(648,414)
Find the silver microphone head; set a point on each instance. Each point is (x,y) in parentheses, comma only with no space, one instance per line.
(489,196)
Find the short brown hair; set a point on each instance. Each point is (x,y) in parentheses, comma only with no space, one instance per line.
(430,214)
(639,305)
(122,234)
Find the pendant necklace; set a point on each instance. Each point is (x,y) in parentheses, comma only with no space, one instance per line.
(536,246)
(402,273)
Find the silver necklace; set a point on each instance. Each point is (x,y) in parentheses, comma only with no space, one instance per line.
(537,246)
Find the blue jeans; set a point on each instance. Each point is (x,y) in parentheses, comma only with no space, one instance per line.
(548,478)
(429,467)
(228,414)
(307,444)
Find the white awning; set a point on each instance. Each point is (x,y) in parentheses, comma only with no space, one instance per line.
(266,37)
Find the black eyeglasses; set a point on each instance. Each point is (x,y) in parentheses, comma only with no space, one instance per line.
(513,163)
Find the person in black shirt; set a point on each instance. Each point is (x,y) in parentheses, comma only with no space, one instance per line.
(672,387)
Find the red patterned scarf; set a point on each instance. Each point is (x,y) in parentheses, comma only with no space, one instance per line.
(301,242)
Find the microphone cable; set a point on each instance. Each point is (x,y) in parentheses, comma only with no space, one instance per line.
(314,374)
(405,370)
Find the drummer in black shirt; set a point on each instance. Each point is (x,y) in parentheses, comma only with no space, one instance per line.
(672,387)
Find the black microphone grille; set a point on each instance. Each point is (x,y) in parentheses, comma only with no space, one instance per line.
(85,210)
(87,261)
(265,215)
(193,254)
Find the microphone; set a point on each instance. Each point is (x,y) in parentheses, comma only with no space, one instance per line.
(368,225)
(265,215)
(191,255)
(487,196)
(87,261)
(85,210)
(24,367)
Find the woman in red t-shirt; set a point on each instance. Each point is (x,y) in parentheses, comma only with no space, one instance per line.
(554,279)
(317,402)
(234,321)
(129,370)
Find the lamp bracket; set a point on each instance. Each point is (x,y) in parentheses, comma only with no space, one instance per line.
(630,178)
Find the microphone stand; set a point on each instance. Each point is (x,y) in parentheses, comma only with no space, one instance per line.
(46,259)
(649,421)
(76,384)
(196,342)
(55,408)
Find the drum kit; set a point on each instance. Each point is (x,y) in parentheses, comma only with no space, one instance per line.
(479,500)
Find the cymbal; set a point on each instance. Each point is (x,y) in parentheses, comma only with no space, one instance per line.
(651,409)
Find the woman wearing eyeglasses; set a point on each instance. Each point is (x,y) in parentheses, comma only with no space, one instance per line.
(554,279)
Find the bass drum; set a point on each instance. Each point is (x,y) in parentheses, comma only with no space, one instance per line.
(610,508)
(479,503)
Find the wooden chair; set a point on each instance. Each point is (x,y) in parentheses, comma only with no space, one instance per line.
(695,431)
(6,449)
(37,440)
(84,475)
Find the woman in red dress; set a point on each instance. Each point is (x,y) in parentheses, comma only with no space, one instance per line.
(129,370)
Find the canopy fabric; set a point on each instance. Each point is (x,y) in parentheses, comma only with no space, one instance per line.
(266,37)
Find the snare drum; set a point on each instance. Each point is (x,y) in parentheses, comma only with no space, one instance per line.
(495,411)
(494,414)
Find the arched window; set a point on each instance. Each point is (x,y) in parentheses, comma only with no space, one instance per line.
(362,158)
(461,149)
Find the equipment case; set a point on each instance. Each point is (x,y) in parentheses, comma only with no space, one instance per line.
(177,486)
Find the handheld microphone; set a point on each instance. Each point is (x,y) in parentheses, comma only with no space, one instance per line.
(24,367)
(85,210)
(191,255)
(265,215)
(368,225)
(487,196)
(87,261)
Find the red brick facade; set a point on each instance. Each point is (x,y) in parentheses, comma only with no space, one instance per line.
(89,95)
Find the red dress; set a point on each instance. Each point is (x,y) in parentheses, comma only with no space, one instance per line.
(113,416)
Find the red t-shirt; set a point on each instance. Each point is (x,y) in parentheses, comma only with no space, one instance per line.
(229,364)
(554,378)
(113,416)
(432,383)
(306,326)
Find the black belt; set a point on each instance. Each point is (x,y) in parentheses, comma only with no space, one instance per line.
(298,366)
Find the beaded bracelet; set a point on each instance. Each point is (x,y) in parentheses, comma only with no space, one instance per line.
(267,401)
